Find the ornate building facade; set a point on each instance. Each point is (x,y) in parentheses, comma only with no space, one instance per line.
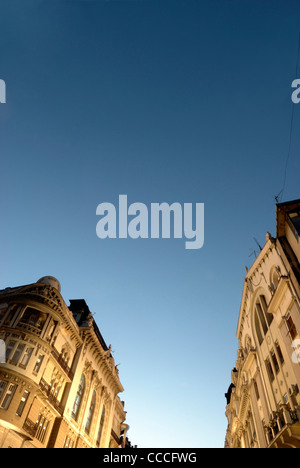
(59,385)
(263,400)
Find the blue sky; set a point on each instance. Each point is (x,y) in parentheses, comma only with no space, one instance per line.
(165,101)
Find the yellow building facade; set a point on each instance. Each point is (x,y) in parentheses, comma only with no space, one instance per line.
(263,399)
(59,386)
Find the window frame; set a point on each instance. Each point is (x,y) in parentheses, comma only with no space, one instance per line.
(294,226)
(22,403)
(38,364)
(8,396)
(292,329)
(101,426)
(91,412)
(42,424)
(270,370)
(79,397)
(262,318)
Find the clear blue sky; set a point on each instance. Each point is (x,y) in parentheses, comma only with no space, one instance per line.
(186,101)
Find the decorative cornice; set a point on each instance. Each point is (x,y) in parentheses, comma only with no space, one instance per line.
(103,358)
(49,296)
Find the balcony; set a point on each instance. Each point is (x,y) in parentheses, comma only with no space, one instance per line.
(30,427)
(29,328)
(59,359)
(284,430)
(46,389)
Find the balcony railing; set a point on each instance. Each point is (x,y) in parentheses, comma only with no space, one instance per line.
(30,427)
(29,328)
(62,363)
(280,422)
(45,387)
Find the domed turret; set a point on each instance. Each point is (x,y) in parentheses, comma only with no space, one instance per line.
(50,281)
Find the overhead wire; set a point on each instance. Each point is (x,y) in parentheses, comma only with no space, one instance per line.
(280,195)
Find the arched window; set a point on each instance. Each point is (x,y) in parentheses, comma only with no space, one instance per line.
(258,328)
(262,319)
(78,398)
(91,413)
(275,278)
(101,426)
(264,306)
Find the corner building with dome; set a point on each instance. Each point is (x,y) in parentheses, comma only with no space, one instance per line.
(59,386)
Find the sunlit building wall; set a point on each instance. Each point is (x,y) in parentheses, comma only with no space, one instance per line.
(59,385)
(263,399)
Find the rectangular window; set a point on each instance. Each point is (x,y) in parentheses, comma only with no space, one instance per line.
(101,427)
(295,221)
(291,327)
(17,354)
(8,396)
(42,424)
(275,362)
(22,403)
(10,346)
(38,363)
(68,442)
(279,353)
(256,390)
(26,356)
(270,370)
(3,386)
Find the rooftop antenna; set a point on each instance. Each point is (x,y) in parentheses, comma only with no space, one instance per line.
(260,247)
(277,197)
(253,252)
